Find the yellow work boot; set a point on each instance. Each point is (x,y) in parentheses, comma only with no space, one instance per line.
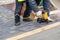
(45,15)
(44,18)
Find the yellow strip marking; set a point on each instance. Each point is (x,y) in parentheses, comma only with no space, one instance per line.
(34,31)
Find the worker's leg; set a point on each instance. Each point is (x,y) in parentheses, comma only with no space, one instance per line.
(17,12)
(33,6)
(45,12)
(46,6)
(30,5)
